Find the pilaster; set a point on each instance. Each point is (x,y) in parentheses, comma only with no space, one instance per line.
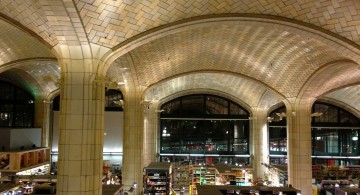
(46,123)
(39,113)
(151,122)
(133,139)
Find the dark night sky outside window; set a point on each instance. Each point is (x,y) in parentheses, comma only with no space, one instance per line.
(204,124)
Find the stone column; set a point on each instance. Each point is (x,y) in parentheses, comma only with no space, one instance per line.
(151,116)
(299,146)
(81,128)
(47,107)
(132,168)
(260,151)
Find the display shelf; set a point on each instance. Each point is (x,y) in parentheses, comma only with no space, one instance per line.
(275,175)
(22,160)
(320,173)
(234,175)
(204,175)
(157,178)
(244,190)
(180,177)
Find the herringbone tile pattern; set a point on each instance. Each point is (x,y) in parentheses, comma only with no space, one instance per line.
(108,22)
(247,90)
(283,59)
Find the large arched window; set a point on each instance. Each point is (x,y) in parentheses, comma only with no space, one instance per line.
(334,133)
(16,106)
(204,128)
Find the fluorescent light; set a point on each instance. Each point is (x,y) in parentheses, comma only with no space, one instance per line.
(277,155)
(242,155)
(212,154)
(167,154)
(337,157)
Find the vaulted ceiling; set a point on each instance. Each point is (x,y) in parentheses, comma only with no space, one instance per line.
(260,52)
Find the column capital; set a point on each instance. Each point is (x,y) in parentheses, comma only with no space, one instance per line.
(91,51)
(299,103)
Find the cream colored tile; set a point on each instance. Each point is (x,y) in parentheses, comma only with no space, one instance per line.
(74,183)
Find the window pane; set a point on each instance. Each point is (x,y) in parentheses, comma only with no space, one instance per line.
(349,141)
(169,145)
(216,145)
(193,145)
(193,105)
(22,95)
(16,106)
(197,160)
(202,105)
(216,105)
(326,141)
(239,145)
(193,129)
(7,91)
(6,115)
(278,161)
(23,115)
(329,113)
(277,140)
(196,132)
(237,110)
(218,129)
(113,100)
(347,118)
(172,107)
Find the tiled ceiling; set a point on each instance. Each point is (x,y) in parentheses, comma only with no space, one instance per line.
(17,45)
(23,80)
(285,59)
(348,95)
(282,60)
(246,90)
(40,77)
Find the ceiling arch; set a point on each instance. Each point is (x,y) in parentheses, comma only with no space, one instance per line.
(109,23)
(40,77)
(282,44)
(349,95)
(281,56)
(248,91)
(275,25)
(17,45)
(331,76)
(23,80)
